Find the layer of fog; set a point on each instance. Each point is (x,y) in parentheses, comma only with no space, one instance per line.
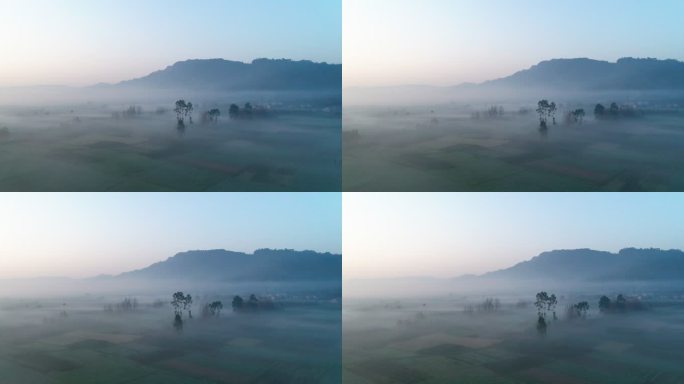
(54,287)
(405,96)
(56,96)
(417,288)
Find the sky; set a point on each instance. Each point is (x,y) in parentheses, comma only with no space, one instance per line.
(84,42)
(448,42)
(451,234)
(83,235)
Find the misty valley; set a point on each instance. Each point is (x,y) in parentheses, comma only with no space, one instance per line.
(481,339)
(613,127)
(194,318)
(199,125)
(515,326)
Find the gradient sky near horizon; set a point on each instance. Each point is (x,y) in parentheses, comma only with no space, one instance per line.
(84,42)
(447,42)
(87,234)
(452,234)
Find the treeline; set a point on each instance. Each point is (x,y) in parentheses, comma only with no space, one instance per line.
(615,111)
(252,304)
(126,305)
(492,113)
(545,304)
(489,305)
(248,111)
(621,303)
(130,112)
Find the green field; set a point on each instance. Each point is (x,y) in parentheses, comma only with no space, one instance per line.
(444,149)
(436,341)
(84,148)
(299,343)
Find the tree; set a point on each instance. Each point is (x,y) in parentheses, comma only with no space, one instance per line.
(546,303)
(580,309)
(188,111)
(543,107)
(178,322)
(541,326)
(182,302)
(181,107)
(614,109)
(187,305)
(621,302)
(234,111)
(599,111)
(216,308)
(178,302)
(577,116)
(604,304)
(248,108)
(253,302)
(238,303)
(546,110)
(214,115)
(183,110)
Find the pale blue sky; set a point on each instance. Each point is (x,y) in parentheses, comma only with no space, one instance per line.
(445,42)
(79,42)
(77,235)
(445,235)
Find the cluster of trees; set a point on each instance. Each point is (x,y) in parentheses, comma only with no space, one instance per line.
(183,111)
(620,304)
(180,303)
(491,113)
(545,304)
(489,305)
(614,111)
(577,311)
(235,112)
(211,116)
(212,309)
(4,132)
(251,304)
(130,112)
(575,117)
(246,112)
(126,305)
(546,110)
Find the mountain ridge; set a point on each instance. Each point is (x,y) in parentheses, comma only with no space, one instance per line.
(258,75)
(262,264)
(626,73)
(638,264)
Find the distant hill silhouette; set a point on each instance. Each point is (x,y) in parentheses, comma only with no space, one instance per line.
(259,75)
(587,74)
(262,265)
(590,265)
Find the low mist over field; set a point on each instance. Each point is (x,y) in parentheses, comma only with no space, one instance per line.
(215,315)
(195,126)
(550,318)
(162,96)
(447,288)
(100,298)
(562,125)
(513,96)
